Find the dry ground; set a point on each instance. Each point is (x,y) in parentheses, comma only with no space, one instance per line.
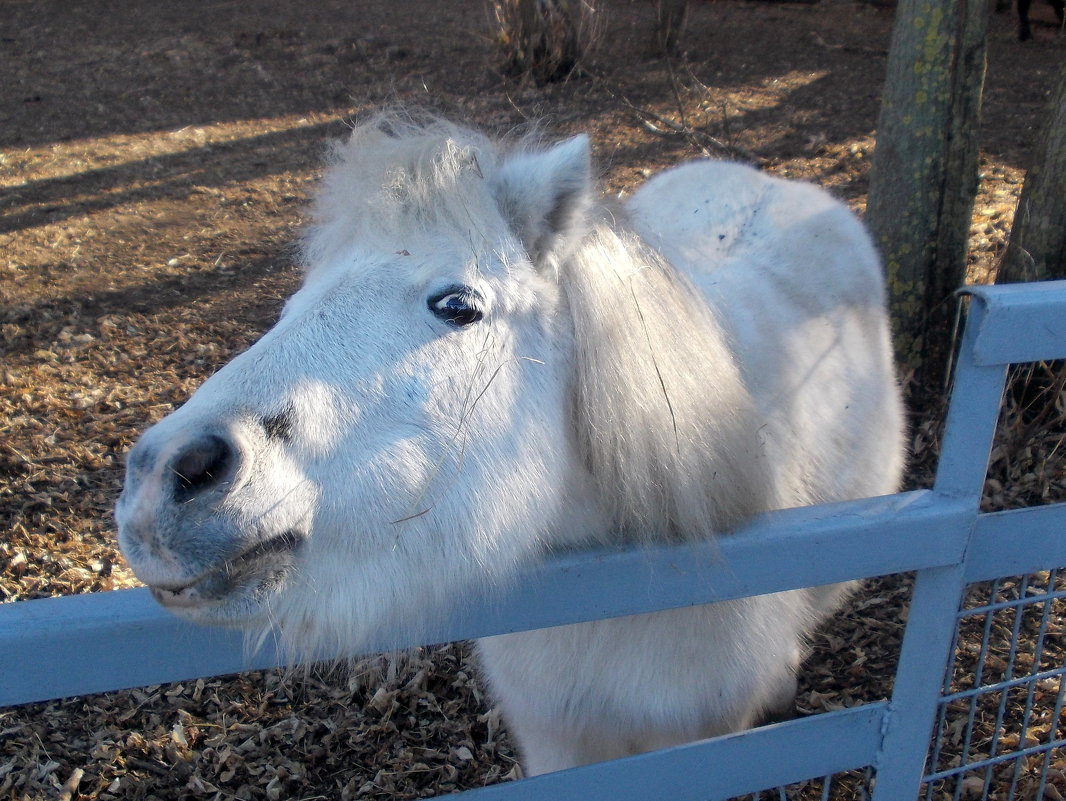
(155,160)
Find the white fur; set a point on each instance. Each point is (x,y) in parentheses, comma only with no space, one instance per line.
(716,348)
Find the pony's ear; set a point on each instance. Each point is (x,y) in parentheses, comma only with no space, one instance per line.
(544,196)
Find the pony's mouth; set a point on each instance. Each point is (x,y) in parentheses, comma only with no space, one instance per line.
(251,575)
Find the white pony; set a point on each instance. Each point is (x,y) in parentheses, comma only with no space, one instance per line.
(484,364)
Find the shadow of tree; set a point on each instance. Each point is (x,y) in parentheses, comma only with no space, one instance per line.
(96,68)
(254,286)
(49,200)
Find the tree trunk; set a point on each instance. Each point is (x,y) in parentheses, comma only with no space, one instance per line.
(1037,248)
(924,176)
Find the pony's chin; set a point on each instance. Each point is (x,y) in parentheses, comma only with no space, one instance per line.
(235,593)
(243,607)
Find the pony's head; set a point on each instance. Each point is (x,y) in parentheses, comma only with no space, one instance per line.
(473,370)
(399,431)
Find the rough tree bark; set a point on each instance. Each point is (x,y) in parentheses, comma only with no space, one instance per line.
(1037,248)
(924,176)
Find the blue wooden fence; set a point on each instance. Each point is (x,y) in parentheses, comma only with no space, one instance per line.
(75,645)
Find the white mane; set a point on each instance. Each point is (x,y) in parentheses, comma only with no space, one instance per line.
(660,412)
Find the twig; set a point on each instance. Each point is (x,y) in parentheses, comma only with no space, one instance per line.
(865,51)
(144,764)
(700,139)
(70,786)
(661,126)
(677,94)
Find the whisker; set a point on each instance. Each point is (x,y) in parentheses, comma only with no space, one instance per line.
(468,406)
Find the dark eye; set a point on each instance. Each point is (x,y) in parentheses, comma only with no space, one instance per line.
(459,306)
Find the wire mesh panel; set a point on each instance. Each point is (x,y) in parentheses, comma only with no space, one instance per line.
(1000,732)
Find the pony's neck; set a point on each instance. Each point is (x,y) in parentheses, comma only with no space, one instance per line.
(663,421)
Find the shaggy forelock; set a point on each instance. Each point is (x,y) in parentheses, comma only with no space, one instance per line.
(402,172)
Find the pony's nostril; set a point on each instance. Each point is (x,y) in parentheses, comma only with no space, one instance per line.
(202,465)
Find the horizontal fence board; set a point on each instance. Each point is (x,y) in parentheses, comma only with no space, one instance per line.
(58,647)
(1017,541)
(1022,322)
(714,770)
(783,551)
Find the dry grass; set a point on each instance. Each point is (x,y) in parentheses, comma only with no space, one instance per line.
(548,40)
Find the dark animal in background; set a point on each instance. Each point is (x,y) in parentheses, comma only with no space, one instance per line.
(1024,31)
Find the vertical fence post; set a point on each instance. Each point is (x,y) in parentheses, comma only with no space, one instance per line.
(927,643)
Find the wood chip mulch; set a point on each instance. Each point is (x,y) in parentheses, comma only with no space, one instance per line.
(154,165)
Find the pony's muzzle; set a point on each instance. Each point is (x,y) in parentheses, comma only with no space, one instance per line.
(175,483)
(183,468)
(175,524)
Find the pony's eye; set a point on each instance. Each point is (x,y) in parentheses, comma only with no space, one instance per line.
(459,306)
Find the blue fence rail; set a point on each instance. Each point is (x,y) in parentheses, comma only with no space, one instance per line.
(59,647)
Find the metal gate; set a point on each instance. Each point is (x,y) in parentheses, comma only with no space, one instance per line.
(998,574)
